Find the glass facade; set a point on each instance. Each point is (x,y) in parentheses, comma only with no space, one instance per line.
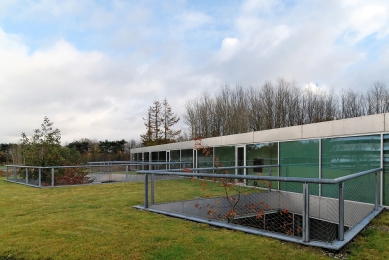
(146,157)
(154,156)
(204,159)
(386,170)
(262,154)
(299,159)
(175,157)
(225,155)
(326,158)
(348,155)
(187,158)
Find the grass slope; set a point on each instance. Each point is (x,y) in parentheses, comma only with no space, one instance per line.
(98,222)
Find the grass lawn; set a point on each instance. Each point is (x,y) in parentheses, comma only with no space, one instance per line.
(98,222)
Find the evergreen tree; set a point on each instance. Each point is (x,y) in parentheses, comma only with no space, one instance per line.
(44,147)
(169,119)
(147,138)
(158,123)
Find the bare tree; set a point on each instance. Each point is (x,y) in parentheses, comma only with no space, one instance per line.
(352,104)
(15,151)
(282,104)
(377,99)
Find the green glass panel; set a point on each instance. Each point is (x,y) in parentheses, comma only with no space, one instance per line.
(175,157)
(347,155)
(386,171)
(204,160)
(226,156)
(138,158)
(187,158)
(154,156)
(299,159)
(162,159)
(262,154)
(146,157)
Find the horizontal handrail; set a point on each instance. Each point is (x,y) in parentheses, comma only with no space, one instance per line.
(133,162)
(223,168)
(267,178)
(85,166)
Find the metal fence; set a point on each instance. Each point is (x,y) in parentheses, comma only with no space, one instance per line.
(330,220)
(96,172)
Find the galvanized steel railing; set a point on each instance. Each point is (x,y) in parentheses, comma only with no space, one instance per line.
(359,210)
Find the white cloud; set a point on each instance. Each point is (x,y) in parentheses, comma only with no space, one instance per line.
(77,90)
(85,93)
(192,20)
(254,6)
(105,63)
(366,18)
(228,48)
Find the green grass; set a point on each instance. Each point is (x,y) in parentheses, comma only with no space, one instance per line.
(98,222)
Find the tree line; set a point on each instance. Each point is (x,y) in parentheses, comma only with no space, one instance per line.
(93,150)
(275,105)
(10,154)
(44,148)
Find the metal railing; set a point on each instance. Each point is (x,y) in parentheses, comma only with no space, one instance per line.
(95,172)
(328,220)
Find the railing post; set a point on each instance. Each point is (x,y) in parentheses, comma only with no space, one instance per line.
(26,175)
(146,198)
(6,173)
(126,172)
(52,177)
(39,177)
(152,188)
(306,212)
(15,173)
(270,183)
(376,190)
(341,212)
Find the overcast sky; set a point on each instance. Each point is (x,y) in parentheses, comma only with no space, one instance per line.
(94,67)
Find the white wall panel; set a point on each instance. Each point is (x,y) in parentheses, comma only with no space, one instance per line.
(214,141)
(386,122)
(351,126)
(238,138)
(272,135)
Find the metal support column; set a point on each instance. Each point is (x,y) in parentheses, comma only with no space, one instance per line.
(152,188)
(146,202)
(126,172)
(376,190)
(341,212)
(306,212)
(39,177)
(320,166)
(270,183)
(52,177)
